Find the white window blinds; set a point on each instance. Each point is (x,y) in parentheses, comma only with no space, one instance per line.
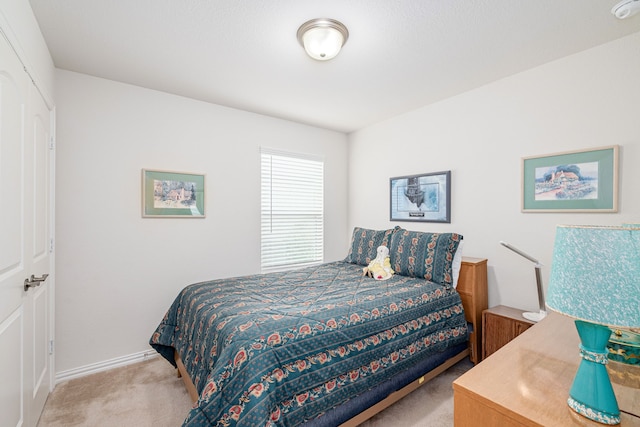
(292,210)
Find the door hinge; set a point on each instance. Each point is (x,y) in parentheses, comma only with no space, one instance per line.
(52,143)
(50,347)
(51,245)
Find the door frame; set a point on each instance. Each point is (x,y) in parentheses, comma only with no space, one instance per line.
(52,247)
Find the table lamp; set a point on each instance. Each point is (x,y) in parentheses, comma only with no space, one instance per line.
(595,278)
(533,316)
(624,345)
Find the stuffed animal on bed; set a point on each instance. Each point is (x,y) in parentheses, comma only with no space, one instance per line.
(380,268)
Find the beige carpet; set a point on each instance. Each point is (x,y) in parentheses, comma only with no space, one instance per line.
(150,394)
(143,395)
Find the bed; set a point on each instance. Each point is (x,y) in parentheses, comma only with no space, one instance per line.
(325,345)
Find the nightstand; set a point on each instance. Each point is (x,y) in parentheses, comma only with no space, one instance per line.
(500,325)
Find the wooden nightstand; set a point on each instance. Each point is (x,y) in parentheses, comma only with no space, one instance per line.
(500,325)
(472,287)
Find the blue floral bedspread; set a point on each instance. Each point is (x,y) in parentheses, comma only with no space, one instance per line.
(279,349)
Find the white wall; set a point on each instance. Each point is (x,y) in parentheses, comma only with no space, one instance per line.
(117,273)
(587,100)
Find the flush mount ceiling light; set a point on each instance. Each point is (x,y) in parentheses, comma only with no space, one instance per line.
(626,8)
(322,38)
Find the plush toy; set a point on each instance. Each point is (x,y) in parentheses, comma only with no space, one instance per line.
(379,268)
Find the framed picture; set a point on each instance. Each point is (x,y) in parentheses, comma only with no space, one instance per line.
(172,194)
(425,197)
(574,181)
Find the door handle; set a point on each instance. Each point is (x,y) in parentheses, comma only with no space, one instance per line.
(34,281)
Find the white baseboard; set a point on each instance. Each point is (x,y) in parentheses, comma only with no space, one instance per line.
(105,365)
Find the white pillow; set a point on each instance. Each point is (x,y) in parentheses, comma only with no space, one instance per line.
(457,263)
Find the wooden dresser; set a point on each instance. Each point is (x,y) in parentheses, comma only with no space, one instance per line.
(527,382)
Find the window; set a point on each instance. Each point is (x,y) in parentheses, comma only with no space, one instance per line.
(292,210)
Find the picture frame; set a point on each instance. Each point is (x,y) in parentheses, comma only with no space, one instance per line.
(421,198)
(167,194)
(571,181)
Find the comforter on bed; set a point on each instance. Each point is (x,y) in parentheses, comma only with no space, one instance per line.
(279,349)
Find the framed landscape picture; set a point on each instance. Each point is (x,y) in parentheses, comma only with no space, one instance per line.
(574,181)
(425,197)
(172,194)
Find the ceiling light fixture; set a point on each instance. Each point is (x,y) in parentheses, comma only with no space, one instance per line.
(322,38)
(626,8)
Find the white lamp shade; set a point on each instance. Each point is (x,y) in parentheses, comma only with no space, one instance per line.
(322,43)
(322,38)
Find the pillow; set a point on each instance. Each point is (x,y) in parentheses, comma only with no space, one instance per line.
(364,244)
(426,255)
(457,263)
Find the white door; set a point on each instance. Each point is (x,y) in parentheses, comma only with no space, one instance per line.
(38,297)
(25,230)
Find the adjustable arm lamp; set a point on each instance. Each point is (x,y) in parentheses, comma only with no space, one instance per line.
(534,317)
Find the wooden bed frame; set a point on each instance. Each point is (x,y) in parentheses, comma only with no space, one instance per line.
(472,287)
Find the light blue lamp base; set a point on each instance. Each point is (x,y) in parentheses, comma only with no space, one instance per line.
(592,394)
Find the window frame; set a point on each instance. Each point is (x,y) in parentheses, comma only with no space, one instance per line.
(291,214)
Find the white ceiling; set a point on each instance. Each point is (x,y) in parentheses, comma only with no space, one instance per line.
(401,54)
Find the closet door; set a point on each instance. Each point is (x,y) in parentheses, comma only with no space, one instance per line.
(24,250)
(38,297)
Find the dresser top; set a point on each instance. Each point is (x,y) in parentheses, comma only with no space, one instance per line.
(530,377)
